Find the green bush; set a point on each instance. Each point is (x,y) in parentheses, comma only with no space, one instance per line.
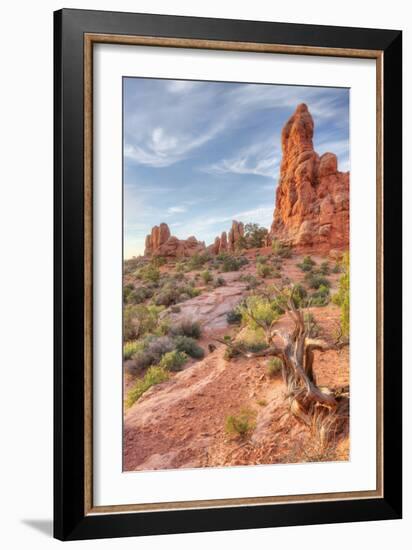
(189,346)
(138,320)
(187,328)
(130,348)
(320,297)
(241,423)
(253,340)
(274,366)
(307,264)
(316,280)
(155,375)
(324,268)
(149,273)
(151,351)
(258,311)
(219,281)
(264,270)
(251,280)
(197,261)
(342,297)
(139,295)
(232,263)
(336,268)
(173,360)
(255,236)
(141,360)
(233,317)
(281,249)
(207,277)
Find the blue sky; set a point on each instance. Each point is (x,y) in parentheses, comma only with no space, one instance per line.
(199,154)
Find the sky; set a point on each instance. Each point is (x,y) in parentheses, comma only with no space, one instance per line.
(198,155)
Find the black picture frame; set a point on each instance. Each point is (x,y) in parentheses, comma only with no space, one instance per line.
(70,520)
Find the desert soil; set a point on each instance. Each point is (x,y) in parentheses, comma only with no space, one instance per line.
(180,423)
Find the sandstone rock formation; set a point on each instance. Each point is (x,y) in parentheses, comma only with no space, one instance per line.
(235,233)
(223,243)
(158,236)
(227,241)
(161,243)
(312,198)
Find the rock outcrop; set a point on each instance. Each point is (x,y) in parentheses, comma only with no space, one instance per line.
(160,242)
(227,241)
(158,236)
(236,232)
(312,198)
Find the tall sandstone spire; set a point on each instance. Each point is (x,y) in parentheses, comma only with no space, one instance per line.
(312,197)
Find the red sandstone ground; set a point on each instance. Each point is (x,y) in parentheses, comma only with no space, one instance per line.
(180,423)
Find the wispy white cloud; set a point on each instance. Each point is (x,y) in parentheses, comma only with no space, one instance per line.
(258,159)
(172,126)
(163,149)
(176,209)
(179,86)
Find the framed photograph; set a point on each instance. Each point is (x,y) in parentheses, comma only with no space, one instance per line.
(227,274)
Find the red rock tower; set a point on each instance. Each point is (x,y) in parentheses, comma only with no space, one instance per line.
(312,197)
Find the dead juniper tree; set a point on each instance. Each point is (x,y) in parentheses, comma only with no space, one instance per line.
(318,408)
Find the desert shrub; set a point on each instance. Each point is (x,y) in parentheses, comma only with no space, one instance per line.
(187,328)
(127,289)
(130,348)
(299,295)
(178,277)
(241,423)
(197,261)
(241,243)
(264,270)
(306,264)
(155,375)
(149,273)
(167,296)
(316,280)
(311,325)
(139,320)
(207,277)
(262,402)
(342,297)
(175,309)
(139,295)
(234,317)
(189,346)
(251,280)
(274,366)
(158,261)
(281,249)
(173,360)
(324,268)
(258,312)
(255,235)
(141,359)
(336,268)
(158,346)
(219,281)
(253,340)
(151,351)
(320,297)
(261,259)
(233,263)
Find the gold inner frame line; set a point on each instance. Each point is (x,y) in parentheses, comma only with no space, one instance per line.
(93,38)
